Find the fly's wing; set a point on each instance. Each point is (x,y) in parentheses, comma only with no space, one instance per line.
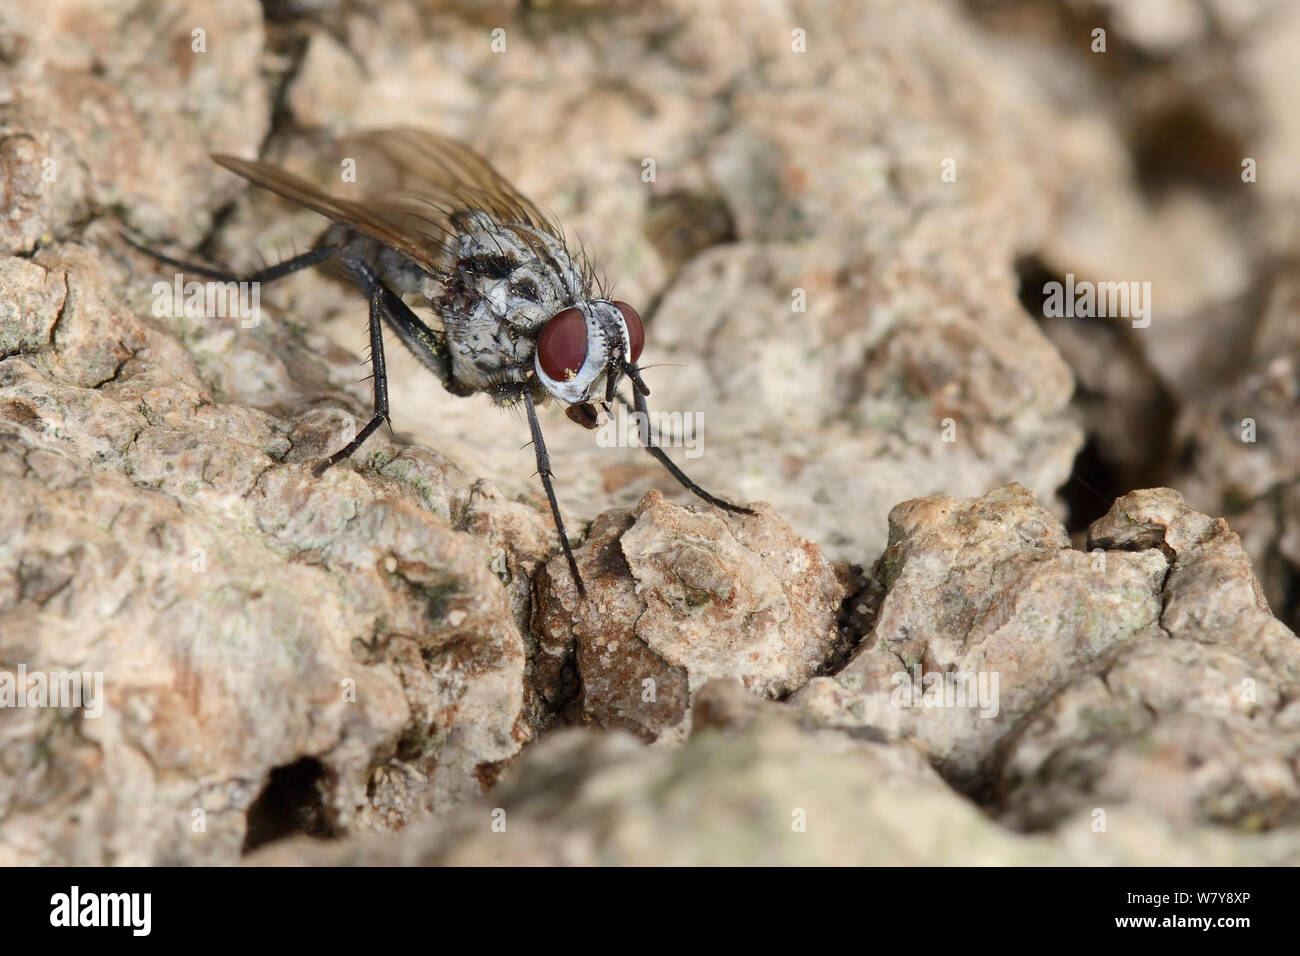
(354,215)
(417,188)
(412,172)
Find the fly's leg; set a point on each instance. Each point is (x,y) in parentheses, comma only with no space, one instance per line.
(269,274)
(544,469)
(279,271)
(426,344)
(380,376)
(658,454)
(385,304)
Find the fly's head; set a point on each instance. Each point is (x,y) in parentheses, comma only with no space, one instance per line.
(584,351)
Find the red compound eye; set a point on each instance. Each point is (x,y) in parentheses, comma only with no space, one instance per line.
(562,345)
(635,330)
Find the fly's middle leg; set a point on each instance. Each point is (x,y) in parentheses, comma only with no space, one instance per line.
(380,377)
(426,344)
(387,306)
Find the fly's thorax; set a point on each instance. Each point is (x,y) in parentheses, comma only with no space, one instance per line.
(527,297)
(483,349)
(525,275)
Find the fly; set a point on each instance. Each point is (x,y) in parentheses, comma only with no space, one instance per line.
(520,315)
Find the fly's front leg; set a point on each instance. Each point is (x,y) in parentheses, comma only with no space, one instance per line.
(648,442)
(544,470)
